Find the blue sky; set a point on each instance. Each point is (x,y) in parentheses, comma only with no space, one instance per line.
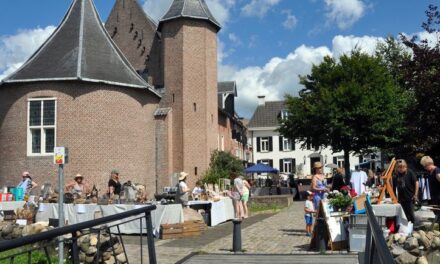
(264,44)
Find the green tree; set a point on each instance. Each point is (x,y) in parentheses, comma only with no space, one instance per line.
(394,56)
(222,164)
(351,104)
(421,74)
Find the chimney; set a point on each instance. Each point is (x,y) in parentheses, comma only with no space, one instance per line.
(261,100)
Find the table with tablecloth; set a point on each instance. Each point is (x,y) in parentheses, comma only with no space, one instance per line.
(8,206)
(391,210)
(164,214)
(220,211)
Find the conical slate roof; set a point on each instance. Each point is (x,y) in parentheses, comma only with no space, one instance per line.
(196,9)
(79,49)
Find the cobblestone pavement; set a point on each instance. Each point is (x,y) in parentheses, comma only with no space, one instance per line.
(281,233)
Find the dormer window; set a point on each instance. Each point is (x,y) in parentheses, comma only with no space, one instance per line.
(284,114)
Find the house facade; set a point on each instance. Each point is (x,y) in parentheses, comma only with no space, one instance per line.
(270,148)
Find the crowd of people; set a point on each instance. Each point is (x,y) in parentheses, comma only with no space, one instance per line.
(77,186)
(405,183)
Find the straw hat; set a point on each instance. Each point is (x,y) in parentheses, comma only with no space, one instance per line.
(183,176)
(317,165)
(79,176)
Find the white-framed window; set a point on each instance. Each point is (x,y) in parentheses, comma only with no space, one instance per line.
(287,166)
(41,126)
(284,115)
(264,144)
(287,144)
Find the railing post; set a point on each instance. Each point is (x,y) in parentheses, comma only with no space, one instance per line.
(368,244)
(236,236)
(150,238)
(75,251)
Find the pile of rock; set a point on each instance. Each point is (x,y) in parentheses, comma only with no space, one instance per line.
(419,248)
(110,249)
(9,230)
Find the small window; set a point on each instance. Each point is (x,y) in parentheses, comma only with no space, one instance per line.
(195,171)
(41,126)
(287,144)
(195,107)
(287,166)
(174,98)
(264,144)
(284,115)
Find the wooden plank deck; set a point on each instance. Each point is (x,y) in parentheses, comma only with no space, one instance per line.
(272,259)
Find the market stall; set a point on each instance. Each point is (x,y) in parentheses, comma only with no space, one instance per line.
(164,214)
(219,211)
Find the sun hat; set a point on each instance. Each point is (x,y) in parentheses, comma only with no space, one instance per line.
(78,176)
(317,164)
(183,176)
(115,172)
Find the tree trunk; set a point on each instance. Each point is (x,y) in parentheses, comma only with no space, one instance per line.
(347,166)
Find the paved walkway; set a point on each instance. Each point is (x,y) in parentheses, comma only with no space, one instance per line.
(281,233)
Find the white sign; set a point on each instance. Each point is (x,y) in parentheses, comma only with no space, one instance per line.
(21,222)
(59,155)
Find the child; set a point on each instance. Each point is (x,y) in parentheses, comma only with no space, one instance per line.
(309,209)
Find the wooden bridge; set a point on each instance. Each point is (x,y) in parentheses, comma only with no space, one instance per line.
(269,258)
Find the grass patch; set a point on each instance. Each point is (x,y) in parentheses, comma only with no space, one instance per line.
(264,208)
(37,256)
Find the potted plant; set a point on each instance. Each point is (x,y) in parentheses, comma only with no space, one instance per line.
(339,201)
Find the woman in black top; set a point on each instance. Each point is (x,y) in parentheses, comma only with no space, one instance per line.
(114,186)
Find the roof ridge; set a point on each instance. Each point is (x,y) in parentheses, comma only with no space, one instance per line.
(34,55)
(81,41)
(83,51)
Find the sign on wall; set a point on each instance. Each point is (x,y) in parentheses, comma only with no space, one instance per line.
(59,156)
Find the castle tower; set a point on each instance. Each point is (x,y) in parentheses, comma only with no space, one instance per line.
(189,42)
(135,34)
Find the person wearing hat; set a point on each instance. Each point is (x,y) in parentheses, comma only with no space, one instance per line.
(319,184)
(182,189)
(26,183)
(77,186)
(309,210)
(114,186)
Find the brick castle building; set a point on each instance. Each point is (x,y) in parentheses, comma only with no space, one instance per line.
(131,95)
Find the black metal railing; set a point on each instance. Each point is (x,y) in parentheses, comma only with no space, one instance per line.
(376,249)
(106,227)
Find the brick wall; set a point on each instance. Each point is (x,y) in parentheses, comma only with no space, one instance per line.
(190,74)
(103,126)
(139,43)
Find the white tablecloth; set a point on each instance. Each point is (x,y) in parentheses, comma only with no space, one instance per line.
(221,211)
(391,210)
(73,214)
(10,206)
(164,214)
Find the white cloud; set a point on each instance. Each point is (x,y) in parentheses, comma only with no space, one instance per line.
(258,8)
(279,76)
(344,13)
(235,39)
(345,44)
(219,8)
(290,21)
(16,49)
